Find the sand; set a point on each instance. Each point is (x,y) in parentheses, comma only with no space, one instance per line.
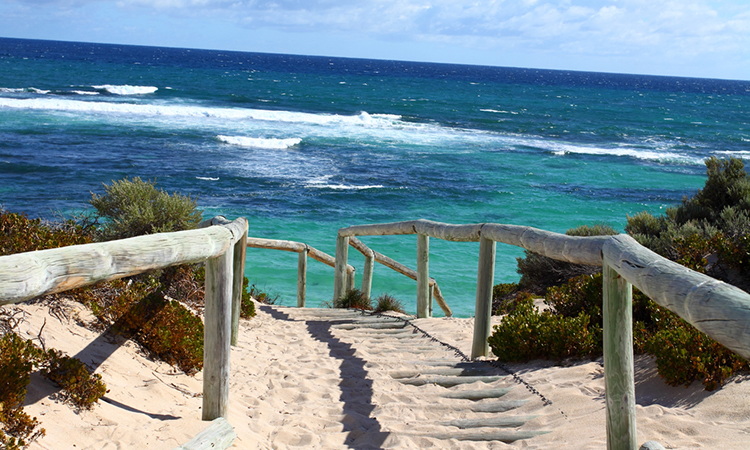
(298,382)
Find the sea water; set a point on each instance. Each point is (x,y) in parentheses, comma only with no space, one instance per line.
(304,145)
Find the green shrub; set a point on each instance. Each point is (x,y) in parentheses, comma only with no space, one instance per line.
(353,299)
(708,232)
(136,207)
(526,334)
(138,309)
(79,385)
(247,307)
(538,272)
(684,354)
(18,358)
(20,234)
(263,297)
(388,303)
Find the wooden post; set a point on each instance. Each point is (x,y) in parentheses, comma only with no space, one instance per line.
(432,298)
(350,283)
(483,308)
(217,335)
(339,272)
(367,275)
(423,276)
(238,276)
(619,384)
(301,278)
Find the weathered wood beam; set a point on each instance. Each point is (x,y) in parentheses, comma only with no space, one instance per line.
(217,319)
(218,436)
(423,276)
(716,308)
(379,229)
(24,276)
(575,249)
(238,264)
(483,306)
(619,381)
(339,271)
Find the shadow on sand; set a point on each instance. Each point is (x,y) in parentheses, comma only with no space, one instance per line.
(356,389)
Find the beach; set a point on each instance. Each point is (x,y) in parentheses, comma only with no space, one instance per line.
(299,381)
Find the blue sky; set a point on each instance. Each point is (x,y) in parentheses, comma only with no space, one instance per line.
(697,38)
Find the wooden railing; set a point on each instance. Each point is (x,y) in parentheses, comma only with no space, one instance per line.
(304,251)
(24,276)
(718,309)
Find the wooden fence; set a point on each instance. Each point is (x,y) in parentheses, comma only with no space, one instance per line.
(718,309)
(24,276)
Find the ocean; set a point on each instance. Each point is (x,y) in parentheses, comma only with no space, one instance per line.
(304,145)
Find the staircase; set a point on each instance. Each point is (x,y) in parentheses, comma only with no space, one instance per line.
(436,393)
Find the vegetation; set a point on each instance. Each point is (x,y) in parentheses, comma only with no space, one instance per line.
(18,358)
(353,298)
(709,233)
(262,297)
(158,309)
(388,303)
(136,207)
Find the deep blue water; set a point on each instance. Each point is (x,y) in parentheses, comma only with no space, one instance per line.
(305,145)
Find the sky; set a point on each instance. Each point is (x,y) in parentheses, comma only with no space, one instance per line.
(692,38)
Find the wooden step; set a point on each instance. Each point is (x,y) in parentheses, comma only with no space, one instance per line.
(489,422)
(497,407)
(448,381)
(477,394)
(454,371)
(506,436)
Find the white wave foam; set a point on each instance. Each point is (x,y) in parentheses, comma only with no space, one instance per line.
(322,183)
(127,89)
(86,92)
(561,149)
(19,90)
(267,143)
(208,178)
(193,111)
(340,187)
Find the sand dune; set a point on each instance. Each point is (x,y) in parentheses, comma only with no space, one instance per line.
(299,381)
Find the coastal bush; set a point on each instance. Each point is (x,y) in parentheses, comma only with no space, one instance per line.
(572,327)
(539,272)
(20,234)
(136,207)
(525,334)
(247,306)
(708,232)
(138,309)
(263,297)
(353,298)
(18,358)
(504,297)
(79,386)
(387,302)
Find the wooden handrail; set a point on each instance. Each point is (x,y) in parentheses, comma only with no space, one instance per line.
(398,267)
(24,276)
(304,251)
(718,309)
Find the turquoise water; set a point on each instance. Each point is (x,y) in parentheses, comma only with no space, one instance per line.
(302,146)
